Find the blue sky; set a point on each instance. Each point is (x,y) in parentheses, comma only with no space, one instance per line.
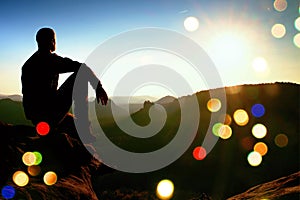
(82,25)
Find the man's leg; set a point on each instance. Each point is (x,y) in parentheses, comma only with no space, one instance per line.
(80,97)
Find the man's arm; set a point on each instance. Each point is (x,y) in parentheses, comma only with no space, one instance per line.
(101,94)
(68,65)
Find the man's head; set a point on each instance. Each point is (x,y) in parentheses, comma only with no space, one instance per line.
(46,39)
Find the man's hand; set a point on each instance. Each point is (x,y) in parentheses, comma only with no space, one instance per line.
(101,94)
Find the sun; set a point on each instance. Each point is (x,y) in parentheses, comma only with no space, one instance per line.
(229,47)
(259,64)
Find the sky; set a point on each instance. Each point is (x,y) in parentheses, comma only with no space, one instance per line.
(239,37)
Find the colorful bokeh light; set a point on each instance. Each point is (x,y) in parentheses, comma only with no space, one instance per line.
(281,140)
(241,117)
(226,118)
(50,178)
(278,30)
(247,143)
(254,158)
(297,23)
(20,178)
(225,132)
(29,158)
(42,128)
(259,131)
(216,127)
(280,5)
(214,105)
(199,153)
(34,170)
(258,110)
(234,89)
(8,192)
(297,40)
(165,189)
(191,24)
(38,157)
(261,148)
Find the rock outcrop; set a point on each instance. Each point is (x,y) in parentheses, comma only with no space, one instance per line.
(61,153)
(287,187)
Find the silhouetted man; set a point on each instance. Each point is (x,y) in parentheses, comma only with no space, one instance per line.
(42,100)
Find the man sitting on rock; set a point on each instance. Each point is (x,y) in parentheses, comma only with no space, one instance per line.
(43,101)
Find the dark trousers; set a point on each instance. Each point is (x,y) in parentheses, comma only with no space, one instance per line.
(57,108)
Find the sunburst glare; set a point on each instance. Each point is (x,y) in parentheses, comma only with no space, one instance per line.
(260,64)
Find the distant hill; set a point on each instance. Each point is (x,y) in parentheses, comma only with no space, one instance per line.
(12,112)
(165,100)
(133,99)
(14,97)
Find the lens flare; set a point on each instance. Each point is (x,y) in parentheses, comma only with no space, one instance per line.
(247,143)
(20,178)
(297,23)
(259,131)
(261,148)
(226,118)
(278,30)
(165,189)
(225,132)
(258,110)
(199,153)
(241,117)
(280,5)
(191,24)
(254,158)
(234,89)
(281,140)
(214,105)
(216,128)
(50,178)
(38,157)
(42,128)
(29,158)
(34,170)
(297,40)
(260,64)
(8,192)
